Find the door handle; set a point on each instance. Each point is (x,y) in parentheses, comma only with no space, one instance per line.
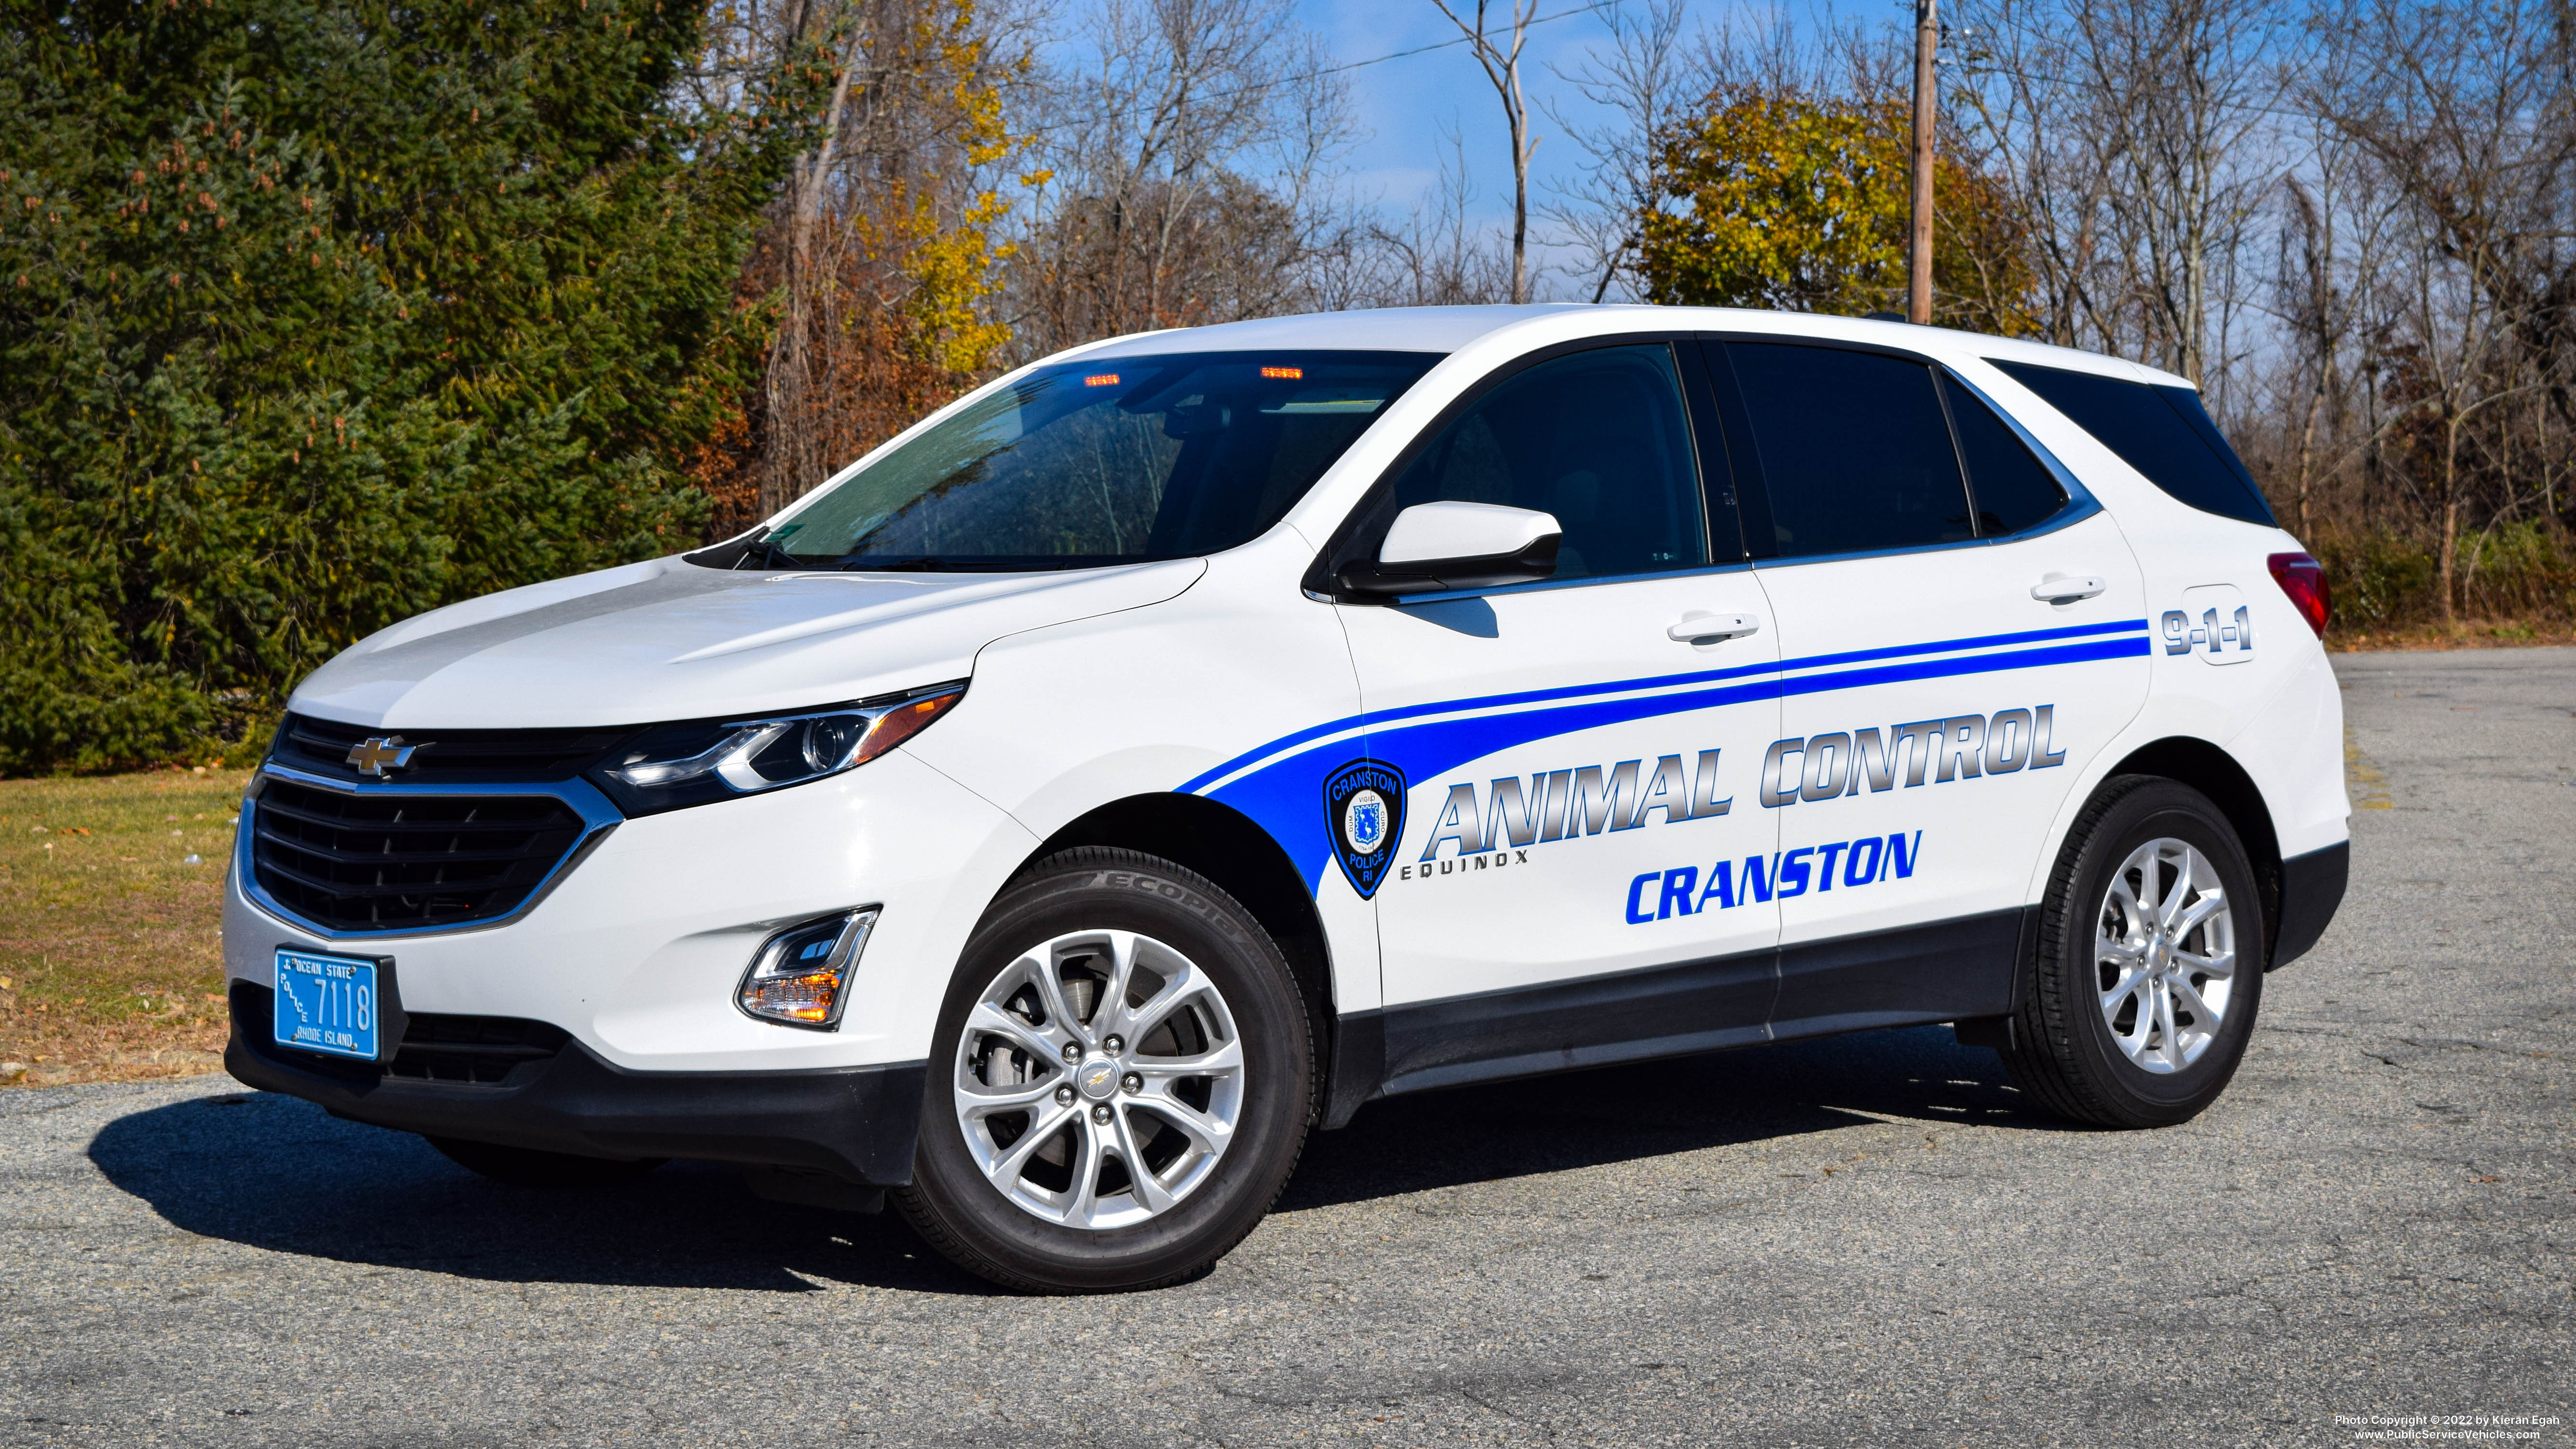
(1701,627)
(2066,588)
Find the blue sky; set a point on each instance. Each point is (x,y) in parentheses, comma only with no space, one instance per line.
(1407,105)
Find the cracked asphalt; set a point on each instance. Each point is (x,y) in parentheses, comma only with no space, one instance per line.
(1865,1240)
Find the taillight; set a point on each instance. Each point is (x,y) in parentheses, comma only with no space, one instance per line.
(2304,580)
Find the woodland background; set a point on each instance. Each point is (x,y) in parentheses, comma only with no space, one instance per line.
(318,313)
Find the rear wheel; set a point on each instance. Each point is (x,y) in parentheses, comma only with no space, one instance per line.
(2150,961)
(528,1167)
(1122,1080)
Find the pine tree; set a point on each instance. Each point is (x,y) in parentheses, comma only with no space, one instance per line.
(313,316)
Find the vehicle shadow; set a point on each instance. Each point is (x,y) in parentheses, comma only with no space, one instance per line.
(1618,1114)
(273,1172)
(279,1174)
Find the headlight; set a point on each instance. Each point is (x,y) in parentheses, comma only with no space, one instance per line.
(670,766)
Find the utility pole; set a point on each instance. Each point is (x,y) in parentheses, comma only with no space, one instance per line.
(1918,246)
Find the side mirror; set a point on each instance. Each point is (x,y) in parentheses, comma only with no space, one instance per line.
(1435,547)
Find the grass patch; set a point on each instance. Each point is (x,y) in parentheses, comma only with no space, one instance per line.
(111,965)
(111,958)
(2467,634)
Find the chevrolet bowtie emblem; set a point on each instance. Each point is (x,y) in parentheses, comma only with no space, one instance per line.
(381,755)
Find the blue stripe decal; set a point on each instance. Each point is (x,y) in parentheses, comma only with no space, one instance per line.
(1577,691)
(1282,795)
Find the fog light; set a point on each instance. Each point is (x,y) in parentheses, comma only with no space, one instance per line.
(801,976)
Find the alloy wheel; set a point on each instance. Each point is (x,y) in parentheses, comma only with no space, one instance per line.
(1099,1079)
(2165,954)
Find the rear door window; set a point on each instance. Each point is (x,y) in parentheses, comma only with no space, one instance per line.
(1854,453)
(2163,432)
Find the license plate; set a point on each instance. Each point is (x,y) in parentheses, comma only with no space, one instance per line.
(327,1004)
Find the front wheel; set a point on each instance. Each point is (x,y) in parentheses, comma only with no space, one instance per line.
(2150,961)
(1122,1080)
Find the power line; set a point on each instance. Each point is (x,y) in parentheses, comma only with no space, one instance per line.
(1317,74)
(1972,66)
(1534,22)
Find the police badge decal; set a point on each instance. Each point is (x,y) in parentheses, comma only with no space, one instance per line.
(1364,809)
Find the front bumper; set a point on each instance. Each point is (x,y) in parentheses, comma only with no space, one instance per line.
(639,949)
(853,1123)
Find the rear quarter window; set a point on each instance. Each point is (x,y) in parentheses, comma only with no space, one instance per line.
(2163,432)
(2013,489)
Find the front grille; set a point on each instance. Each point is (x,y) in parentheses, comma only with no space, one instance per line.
(471,1050)
(396,862)
(321,747)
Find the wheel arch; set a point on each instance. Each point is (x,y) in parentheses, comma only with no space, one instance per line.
(2215,773)
(1229,848)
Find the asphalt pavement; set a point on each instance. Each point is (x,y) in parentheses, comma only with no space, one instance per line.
(1866,1240)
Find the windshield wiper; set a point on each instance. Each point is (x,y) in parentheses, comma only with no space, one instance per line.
(761,555)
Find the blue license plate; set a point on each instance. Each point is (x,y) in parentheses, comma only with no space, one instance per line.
(327,1004)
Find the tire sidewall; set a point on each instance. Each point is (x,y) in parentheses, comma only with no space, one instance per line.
(1092,891)
(2159,810)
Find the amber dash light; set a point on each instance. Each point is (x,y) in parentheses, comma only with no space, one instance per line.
(1292,374)
(1101,379)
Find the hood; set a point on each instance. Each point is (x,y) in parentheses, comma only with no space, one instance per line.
(669,640)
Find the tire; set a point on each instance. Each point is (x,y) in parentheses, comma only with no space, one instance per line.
(1017,1178)
(2119,1035)
(528,1167)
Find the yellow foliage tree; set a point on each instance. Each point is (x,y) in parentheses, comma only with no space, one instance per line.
(880,260)
(1792,203)
(931,239)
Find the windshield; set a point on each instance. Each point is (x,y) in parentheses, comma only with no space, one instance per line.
(1121,460)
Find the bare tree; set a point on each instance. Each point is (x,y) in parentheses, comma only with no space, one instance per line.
(795,459)
(2334,299)
(1500,56)
(1439,256)
(2132,134)
(2356,233)
(2469,112)
(1187,174)
(2307,284)
(2465,114)
(878,253)
(1644,78)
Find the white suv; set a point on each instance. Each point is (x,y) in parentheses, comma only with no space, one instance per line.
(1180,742)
